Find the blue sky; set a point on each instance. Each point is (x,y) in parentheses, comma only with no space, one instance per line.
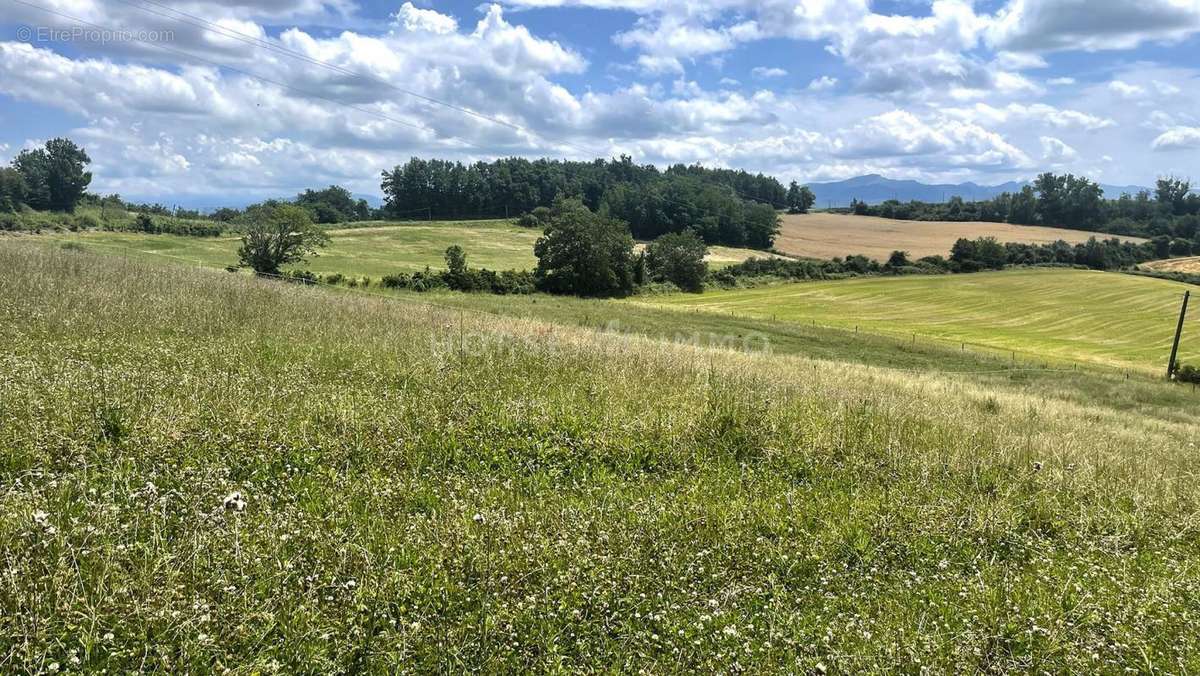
(218,98)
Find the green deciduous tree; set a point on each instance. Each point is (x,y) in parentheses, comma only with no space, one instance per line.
(799,198)
(583,253)
(1171,193)
(276,235)
(678,257)
(12,189)
(334,204)
(55,175)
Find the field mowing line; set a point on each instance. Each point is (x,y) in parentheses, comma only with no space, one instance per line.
(1108,319)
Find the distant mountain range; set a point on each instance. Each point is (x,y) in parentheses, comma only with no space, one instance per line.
(874,189)
(210,203)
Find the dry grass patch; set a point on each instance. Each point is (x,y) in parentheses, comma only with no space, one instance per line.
(821,235)
(1187,264)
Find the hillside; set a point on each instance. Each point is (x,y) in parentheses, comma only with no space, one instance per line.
(822,235)
(281,477)
(370,249)
(1121,321)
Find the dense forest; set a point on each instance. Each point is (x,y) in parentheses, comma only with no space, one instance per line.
(724,206)
(1170,215)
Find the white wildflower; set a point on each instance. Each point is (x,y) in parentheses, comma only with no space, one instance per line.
(235,501)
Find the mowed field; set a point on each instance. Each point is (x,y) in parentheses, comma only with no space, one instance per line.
(275,478)
(1101,317)
(821,235)
(370,250)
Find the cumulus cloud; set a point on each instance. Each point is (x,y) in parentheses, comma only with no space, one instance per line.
(1126,90)
(949,93)
(763,72)
(1178,138)
(1166,88)
(427,20)
(1059,118)
(1046,25)
(1056,152)
(935,141)
(823,83)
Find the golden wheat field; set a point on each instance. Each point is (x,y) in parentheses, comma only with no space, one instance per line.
(821,235)
(1189,264)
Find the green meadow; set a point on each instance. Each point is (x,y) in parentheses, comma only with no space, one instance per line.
(369,249)
(204,471)
(1104,318)
(366,250)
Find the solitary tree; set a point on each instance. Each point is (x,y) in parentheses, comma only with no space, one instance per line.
(799,198)
(678,257)
(55,176)
(456,260)
(278,234)
(583,253)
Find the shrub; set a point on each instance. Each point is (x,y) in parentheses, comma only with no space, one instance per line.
(86,222)
(300,277)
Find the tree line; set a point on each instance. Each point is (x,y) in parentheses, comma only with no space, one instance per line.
(1171,211)
(722,206)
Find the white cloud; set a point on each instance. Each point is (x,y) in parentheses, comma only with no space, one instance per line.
(823,83)
(763,72)
(944,95)
(1092,25)
(658,65)
(1178,138)
(1041,113)
(1020,60)
(935,141)
(427,20)
(1126,90)
(1166,88)
(1056,152)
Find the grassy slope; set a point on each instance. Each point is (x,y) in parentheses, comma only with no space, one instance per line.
(825,235)
(428,490)
(1105,318)
(359,251)
(370,250)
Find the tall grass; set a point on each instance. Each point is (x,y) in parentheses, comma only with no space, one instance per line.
(421,489)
